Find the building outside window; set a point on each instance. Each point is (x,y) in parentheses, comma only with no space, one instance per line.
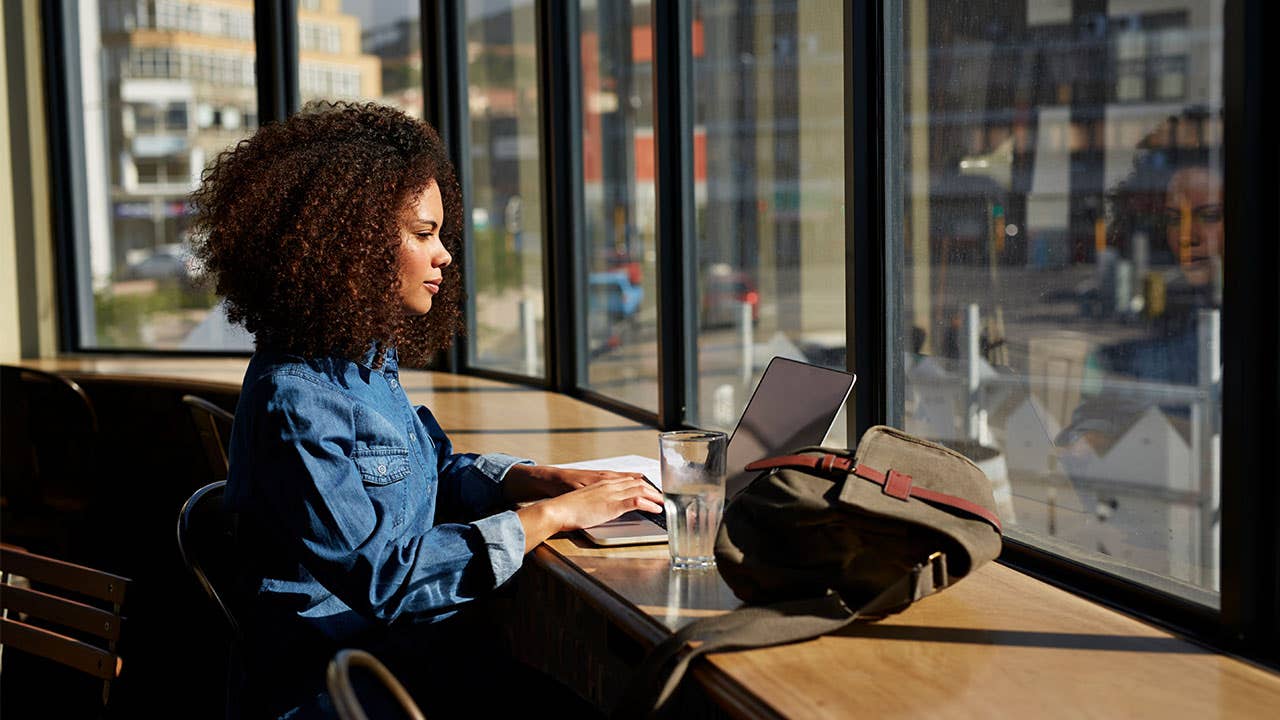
(618,162)
(768,161)
(504,175)
(166,86)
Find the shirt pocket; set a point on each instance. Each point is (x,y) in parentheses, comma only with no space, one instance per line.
(382,470)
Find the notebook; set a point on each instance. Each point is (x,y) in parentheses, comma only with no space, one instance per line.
(794,405)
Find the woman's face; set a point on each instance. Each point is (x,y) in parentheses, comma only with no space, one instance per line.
(1193,221)
(422,254)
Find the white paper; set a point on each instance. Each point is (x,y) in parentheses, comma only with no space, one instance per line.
(649,467)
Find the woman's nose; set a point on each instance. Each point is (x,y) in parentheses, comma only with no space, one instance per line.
(443,258)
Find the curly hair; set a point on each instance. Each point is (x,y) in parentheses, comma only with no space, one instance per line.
(299,227)
(1137,203)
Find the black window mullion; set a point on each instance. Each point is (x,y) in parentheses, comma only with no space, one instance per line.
(560,131)
(1250,535)
(275,31)
(868,298)
(68,189)
(673,188)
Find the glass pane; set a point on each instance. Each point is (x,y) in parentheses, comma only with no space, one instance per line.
(768,143)
(361,50)
(166,86)
(617,166)
(1062,282)
(506,327)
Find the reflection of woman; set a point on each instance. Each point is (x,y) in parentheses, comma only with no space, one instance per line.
(1193,222)
(1173,195)
(332,236)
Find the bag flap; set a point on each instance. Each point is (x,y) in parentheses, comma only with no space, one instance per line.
(929,471)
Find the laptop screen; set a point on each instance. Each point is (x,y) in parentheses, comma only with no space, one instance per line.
(793,406)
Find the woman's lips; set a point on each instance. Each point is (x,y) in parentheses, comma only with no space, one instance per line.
(432,287)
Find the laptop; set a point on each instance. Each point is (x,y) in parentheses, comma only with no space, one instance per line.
(794,405)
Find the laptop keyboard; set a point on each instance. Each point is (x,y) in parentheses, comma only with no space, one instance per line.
(659,519)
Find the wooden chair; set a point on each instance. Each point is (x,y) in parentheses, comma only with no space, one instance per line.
(383,698)
(214,427)
(48,444)
(40,614)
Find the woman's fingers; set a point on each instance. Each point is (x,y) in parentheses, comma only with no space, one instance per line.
(639,494)
(573,478)
(607,499)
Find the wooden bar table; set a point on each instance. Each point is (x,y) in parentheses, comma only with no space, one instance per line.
(998,644)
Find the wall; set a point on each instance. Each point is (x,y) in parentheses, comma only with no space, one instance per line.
(28,308)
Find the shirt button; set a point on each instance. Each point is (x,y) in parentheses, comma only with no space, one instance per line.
(382,469)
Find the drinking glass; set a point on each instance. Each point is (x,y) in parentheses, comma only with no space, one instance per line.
(693,475)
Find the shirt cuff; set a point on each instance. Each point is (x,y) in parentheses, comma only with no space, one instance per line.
(504,539)
(495,466)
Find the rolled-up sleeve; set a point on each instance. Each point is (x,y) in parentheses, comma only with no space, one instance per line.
(345,538)
(504,540)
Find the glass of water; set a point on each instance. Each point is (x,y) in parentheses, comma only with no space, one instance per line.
(693,474)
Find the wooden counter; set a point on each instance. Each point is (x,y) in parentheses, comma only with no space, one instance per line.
(997,644)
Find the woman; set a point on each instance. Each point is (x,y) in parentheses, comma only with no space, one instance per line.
(332,237)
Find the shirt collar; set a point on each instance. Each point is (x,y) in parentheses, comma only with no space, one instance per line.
(390,360)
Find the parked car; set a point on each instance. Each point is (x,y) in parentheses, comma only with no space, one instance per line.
(724,291)
(166,264)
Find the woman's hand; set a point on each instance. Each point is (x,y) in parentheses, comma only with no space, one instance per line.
(534,482)
(600,501)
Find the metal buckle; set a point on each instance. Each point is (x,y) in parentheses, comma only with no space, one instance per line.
(925,585)
(938,562)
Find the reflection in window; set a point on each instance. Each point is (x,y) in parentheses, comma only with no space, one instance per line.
(618,189)
(506,221)
(768,149)
(1062,282)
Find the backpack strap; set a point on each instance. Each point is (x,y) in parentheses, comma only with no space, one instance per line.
(756,626)
(895,484)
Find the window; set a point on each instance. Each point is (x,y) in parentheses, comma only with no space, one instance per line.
(321,38)
(618,195)
(1061,276)
(1151,52)
(504,176)
(143,154)
(768,165)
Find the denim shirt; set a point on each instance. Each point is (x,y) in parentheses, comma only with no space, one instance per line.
(340,486)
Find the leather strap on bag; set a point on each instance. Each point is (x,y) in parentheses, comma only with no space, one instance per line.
(761,626)
(895,484)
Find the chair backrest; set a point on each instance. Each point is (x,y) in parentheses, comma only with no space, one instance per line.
(58,610)
(214,427)
(48,428)
(206,539)
(362,687)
